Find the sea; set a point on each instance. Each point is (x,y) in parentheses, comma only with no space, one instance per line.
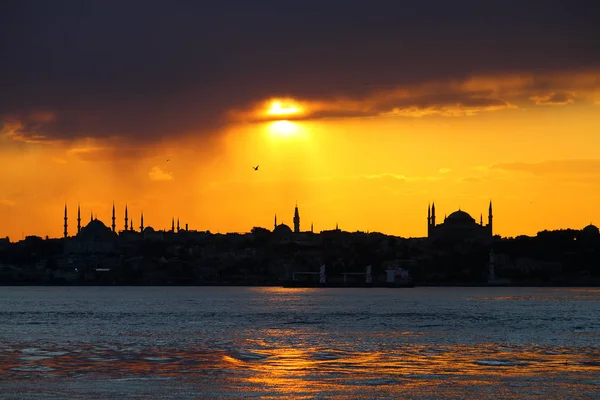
(314,343)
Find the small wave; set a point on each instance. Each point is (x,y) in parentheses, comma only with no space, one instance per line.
(101,359)
(249,356)
(33,369)
(158,358)
(301,323)
(324,356)
(142,378)
(500,363)
(35,358)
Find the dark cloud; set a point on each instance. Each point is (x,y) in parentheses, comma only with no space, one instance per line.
(148,69)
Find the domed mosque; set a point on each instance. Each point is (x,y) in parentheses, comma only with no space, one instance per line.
(459,225)
(590,234)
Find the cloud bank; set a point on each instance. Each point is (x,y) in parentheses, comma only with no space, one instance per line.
(146,71)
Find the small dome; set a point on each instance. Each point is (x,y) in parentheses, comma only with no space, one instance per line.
(282,230)
(149,229)
(591,230)
(459,217)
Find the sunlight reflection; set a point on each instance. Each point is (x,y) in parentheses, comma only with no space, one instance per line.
(297,371)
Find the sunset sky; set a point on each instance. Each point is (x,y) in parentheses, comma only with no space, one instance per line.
(360,112)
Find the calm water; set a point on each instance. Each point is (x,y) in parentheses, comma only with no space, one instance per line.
(206,343)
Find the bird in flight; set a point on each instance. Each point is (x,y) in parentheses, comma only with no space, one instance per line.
(255,168)
(168,159)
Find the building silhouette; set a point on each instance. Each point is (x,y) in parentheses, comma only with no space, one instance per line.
(459,225)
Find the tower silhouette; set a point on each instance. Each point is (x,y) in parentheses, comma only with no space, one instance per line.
(142,222)
(114,224)
(126,218)
(66,231)
(490,218)
(430,218)
(78,219)
(296,220)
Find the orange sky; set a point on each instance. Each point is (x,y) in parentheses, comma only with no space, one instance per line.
(367,165)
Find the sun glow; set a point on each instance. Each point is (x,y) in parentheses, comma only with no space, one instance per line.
(278,107)
(283,128)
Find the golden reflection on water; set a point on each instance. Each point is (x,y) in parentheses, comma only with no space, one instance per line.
(304,370)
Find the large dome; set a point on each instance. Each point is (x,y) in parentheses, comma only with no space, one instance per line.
(459,217)
(591,230)
(282,230)
(96,230)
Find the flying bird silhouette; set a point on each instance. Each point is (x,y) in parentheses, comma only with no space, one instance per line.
(168,159)
(255,168)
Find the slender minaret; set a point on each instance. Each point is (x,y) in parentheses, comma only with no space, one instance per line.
(178,225)
(131,225)
(142,222)
(490,218)
(173,224)
(433,214)
(66,232)
(428,219)
(275,224)
(78,218)
(481,219)
(296,220)
(91,216)
(311,228)
(126,218)
(337,228)
(186,227)
(114,219)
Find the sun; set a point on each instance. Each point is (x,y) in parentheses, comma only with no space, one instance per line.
(283,128)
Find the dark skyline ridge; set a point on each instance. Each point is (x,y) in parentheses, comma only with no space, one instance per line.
(177,225)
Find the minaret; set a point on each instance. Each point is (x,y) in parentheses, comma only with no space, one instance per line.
(114,224)
(78,218)
(131,224)
(173,224)
(337,228)
(490,217)
(66,232)
(142,222)
(91,216)
(275,224)
(481,219)
(433,214)
(178,225)
(296,220)
(311,228)
(126,218)
(428,219)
